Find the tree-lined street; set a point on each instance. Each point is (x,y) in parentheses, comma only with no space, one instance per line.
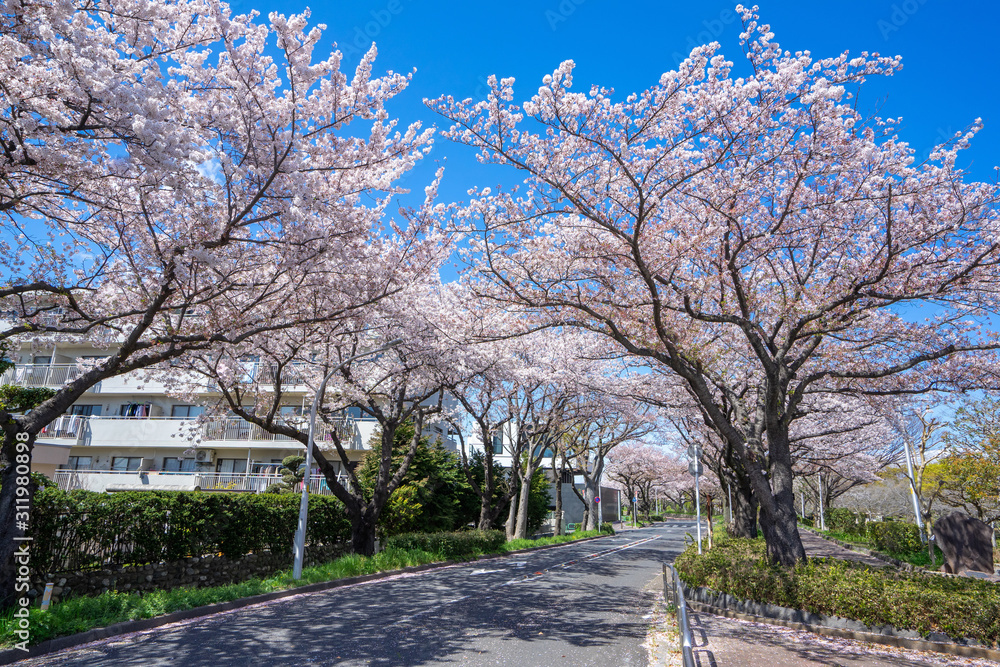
(580,604)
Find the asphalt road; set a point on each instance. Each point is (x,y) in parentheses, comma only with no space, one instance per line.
(579,604)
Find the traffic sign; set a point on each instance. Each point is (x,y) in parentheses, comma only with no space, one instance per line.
(597,500)
(696,468)
(694,451)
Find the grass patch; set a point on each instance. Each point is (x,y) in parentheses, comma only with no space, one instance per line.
(85,613)
(515,545)
(956,606)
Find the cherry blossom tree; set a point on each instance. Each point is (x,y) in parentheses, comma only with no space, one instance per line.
(637,468)
(174,177)
(754,235)
(605,422)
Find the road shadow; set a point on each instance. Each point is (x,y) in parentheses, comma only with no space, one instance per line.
(431,618)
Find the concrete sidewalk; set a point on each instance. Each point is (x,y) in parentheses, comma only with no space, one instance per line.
(727,642)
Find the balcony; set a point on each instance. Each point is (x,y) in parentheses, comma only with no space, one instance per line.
(56,376)
(173,432)
(241,482)
(29,375)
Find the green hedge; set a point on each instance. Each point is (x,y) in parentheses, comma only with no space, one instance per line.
(458,545)
(894,537)
(81,529)
(957,606)
(847,522)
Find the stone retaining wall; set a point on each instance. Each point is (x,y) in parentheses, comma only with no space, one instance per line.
(195,572)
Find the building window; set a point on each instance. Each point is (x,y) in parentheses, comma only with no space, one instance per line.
(139,410)
(186,411)
(230,466)
(80,462)
(172,464)
(497,444)
(84,410)
(126,463)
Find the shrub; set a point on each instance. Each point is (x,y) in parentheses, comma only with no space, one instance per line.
(655,517)
(958,607)
(847,522)
(458,545)
(81,529)
(894,536)
(606,529)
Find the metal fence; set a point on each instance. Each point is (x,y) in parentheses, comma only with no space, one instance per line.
(673,590)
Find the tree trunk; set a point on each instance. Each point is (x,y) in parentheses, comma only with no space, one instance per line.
(521,528)
(363,533)
(558,528)
(511,517)
(486,513)
(589,493)
(744,512)
(778,521)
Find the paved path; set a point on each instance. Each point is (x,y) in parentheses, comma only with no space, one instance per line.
(580,604)
(726,642)
(819,547)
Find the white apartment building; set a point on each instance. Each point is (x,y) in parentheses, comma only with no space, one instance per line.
(127,433)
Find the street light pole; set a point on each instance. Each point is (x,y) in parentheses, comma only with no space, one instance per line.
(913,491)
(300,531)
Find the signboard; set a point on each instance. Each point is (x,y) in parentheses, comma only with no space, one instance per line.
(696,468)
(694,451)
(597,500)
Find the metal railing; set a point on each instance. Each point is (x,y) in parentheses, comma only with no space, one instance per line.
(238,429)
(29,375)
(245,482)
(673,590)
(66,426)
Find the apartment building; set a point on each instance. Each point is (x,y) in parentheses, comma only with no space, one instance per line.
(127,433)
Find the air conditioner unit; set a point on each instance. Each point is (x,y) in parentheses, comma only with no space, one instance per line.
(205,456)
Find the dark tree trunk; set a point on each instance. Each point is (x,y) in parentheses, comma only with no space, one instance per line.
(487,513)
(558,528)
(363,527)
(744,509)
(778,521)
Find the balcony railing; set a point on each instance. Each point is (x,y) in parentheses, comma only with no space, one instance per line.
(29,375)
(67,426)
(102,480)
(238,429)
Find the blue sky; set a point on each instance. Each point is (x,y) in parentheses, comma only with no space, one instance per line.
(950,56)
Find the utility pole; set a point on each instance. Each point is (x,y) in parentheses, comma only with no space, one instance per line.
(913,491)
(696,469)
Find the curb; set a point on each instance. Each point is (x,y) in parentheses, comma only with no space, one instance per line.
(10,655)
(820,624)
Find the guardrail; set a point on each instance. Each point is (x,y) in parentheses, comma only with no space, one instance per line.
(673,590)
